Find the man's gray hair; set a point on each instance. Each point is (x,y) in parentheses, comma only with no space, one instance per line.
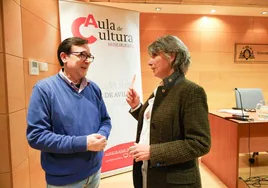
(170,45)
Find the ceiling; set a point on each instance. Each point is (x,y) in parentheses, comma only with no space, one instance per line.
(222,7)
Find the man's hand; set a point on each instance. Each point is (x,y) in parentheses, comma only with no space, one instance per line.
(96,142)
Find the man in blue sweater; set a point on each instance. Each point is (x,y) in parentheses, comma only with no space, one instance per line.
(68,120)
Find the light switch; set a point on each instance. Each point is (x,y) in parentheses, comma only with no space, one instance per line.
(43,66)
(33,67)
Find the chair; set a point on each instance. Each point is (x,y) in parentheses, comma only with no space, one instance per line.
(249,98)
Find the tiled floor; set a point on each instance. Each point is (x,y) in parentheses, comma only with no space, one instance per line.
(209,180)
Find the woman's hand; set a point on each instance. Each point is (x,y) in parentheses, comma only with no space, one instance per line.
(133,99)
(140,152)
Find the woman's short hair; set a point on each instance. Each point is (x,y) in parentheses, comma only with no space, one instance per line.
(66,45)
(172,45)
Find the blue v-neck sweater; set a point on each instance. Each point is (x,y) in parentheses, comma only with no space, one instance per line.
(59,120)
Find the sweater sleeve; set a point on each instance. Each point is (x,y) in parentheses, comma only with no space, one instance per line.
(105,126)
(39,131)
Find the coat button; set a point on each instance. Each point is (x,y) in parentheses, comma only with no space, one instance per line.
(159,164)
(163,90)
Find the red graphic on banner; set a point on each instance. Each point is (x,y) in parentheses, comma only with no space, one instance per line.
(117,157)
(86,21)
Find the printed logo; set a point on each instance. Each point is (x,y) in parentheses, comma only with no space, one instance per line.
(107,31)
(86,22)
(246,53)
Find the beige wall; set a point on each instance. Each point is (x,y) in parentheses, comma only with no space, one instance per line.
(27,31)
(211,42)
(30,31)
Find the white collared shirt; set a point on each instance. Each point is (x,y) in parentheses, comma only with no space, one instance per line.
(83,85)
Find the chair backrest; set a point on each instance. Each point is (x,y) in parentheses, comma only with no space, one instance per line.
(250,97)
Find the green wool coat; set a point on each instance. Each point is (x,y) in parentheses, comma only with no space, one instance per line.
(179,134)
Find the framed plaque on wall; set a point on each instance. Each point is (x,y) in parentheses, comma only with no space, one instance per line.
(251,53)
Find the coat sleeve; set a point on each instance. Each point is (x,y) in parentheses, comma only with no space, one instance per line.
(135,113)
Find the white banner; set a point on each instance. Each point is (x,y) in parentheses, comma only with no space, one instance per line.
(113,35)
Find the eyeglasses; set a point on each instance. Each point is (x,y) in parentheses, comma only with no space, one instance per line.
(83,56)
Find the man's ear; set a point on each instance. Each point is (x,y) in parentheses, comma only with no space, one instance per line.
(63,57)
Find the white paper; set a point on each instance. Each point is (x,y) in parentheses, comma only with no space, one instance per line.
(232,111)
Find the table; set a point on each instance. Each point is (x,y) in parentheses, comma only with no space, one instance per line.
(229,138)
